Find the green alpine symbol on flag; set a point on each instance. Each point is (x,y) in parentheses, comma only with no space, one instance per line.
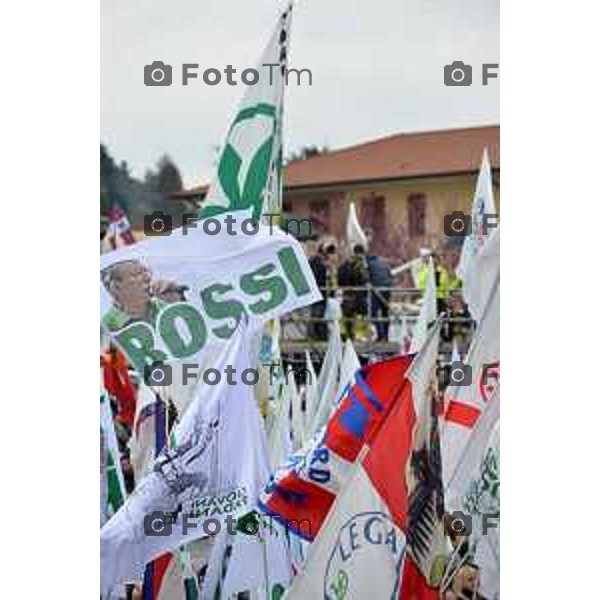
(249,169)
(249,192)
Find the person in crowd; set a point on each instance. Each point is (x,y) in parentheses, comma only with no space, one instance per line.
(137,592)
(442,280)
(354,273)
(380,276)
(323,265)
(464,582)
(127,469)
(450,264)
(129,282)
(103,231)
(169,291)
(464,585)
(458,326)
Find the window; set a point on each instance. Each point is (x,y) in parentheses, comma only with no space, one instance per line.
(320,214)
(417,212)
(372,216)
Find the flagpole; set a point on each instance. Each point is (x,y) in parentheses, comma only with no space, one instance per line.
(265,567)
(166,401)
(447,577)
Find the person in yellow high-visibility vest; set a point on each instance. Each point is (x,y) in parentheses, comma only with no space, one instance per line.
(444,282)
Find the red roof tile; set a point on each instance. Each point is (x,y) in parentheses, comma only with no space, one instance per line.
(400,156)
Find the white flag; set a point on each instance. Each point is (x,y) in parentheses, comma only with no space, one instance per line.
(112,483)
(354,232)
(333,357)
(487,550)
(483,223)
(475,490)
(222,278)
(360,550)
(249,170)
(143,436)
(258,561)
(329,379)
(336,389)
(465,401)
(298,433)
(280,433)
(423,370)
(215,468)
(311,394)
(486,270)
(468,463)
(428,312)
(350,364)
(455,353)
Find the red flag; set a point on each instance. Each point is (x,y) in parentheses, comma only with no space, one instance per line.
(303,490)
(119,223)
(118,384)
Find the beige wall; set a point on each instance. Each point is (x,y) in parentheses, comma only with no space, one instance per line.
(443,195)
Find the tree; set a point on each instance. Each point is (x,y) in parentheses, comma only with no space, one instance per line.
(107,165)
(166,179)
(307,152)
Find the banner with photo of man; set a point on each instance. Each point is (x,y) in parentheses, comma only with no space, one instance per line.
(173,298)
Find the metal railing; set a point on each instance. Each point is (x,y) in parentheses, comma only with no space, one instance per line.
(402,310)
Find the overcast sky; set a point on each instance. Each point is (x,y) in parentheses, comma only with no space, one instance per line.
(377,70)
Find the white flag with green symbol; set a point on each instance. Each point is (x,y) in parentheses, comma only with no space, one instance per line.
(249,169)
(112,484)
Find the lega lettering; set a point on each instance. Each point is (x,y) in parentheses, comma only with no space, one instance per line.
(374,530)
